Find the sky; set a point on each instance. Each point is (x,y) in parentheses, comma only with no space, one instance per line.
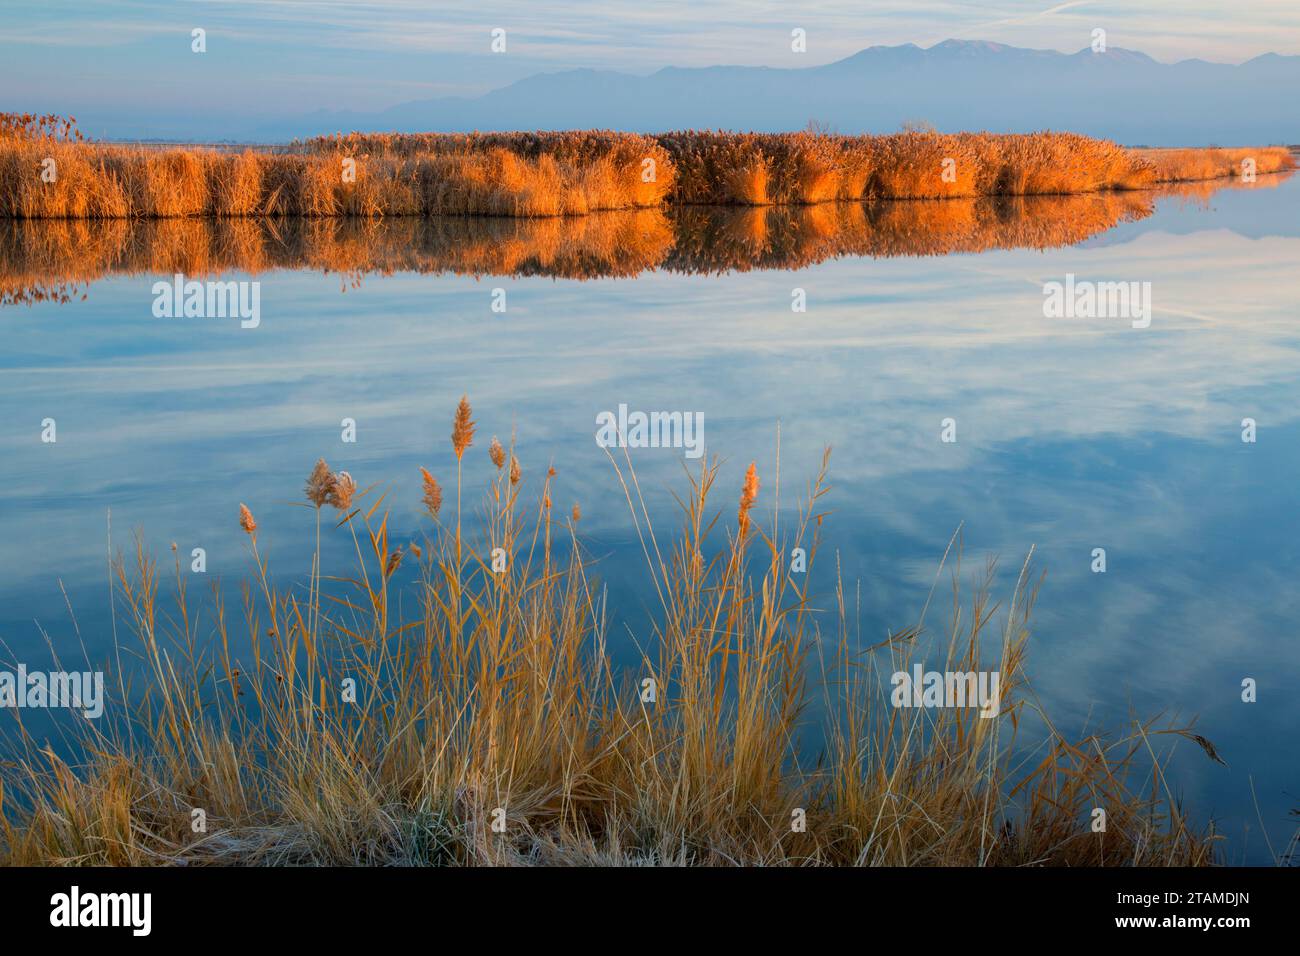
(276,58)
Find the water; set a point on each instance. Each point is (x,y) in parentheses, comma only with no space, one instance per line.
(1072,434)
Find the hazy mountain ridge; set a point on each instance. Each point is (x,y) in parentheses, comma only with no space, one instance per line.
(955,85)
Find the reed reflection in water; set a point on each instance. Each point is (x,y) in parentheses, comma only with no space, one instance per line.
(55,260)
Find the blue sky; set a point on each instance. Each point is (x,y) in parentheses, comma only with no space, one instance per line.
(279,57)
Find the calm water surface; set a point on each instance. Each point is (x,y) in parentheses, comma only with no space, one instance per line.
(1072,434)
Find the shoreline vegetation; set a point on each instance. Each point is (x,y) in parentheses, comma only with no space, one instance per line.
(57,260)
(488,725)
(48,171)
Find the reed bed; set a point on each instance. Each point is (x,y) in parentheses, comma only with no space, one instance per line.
(1192,165)
(489,724)
(460,175)
(760,169)
(48,172)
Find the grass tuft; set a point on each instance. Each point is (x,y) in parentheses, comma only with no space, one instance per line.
(488,725)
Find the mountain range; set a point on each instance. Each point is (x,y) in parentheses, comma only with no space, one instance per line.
(954,85)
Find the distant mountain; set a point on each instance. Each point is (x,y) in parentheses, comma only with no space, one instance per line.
(954,85)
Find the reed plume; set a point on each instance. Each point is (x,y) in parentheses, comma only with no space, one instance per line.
(322,488)
(462,436)
(432,493)
(246,521)
(320,484)
(497,453)
(341,491)
(462,431)
(748,495)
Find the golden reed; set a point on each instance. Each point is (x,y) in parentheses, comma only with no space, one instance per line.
(48,172)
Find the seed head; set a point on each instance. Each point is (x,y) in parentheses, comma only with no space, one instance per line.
(394,561)
(320,483)
(497,453)
(246,519)
(342,491)
(432,493)
(748,495)
(462,431)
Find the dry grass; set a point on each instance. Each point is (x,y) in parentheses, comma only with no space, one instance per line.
(492,698)
(571,174)
(546,174)
(1191,165)
(807,167)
